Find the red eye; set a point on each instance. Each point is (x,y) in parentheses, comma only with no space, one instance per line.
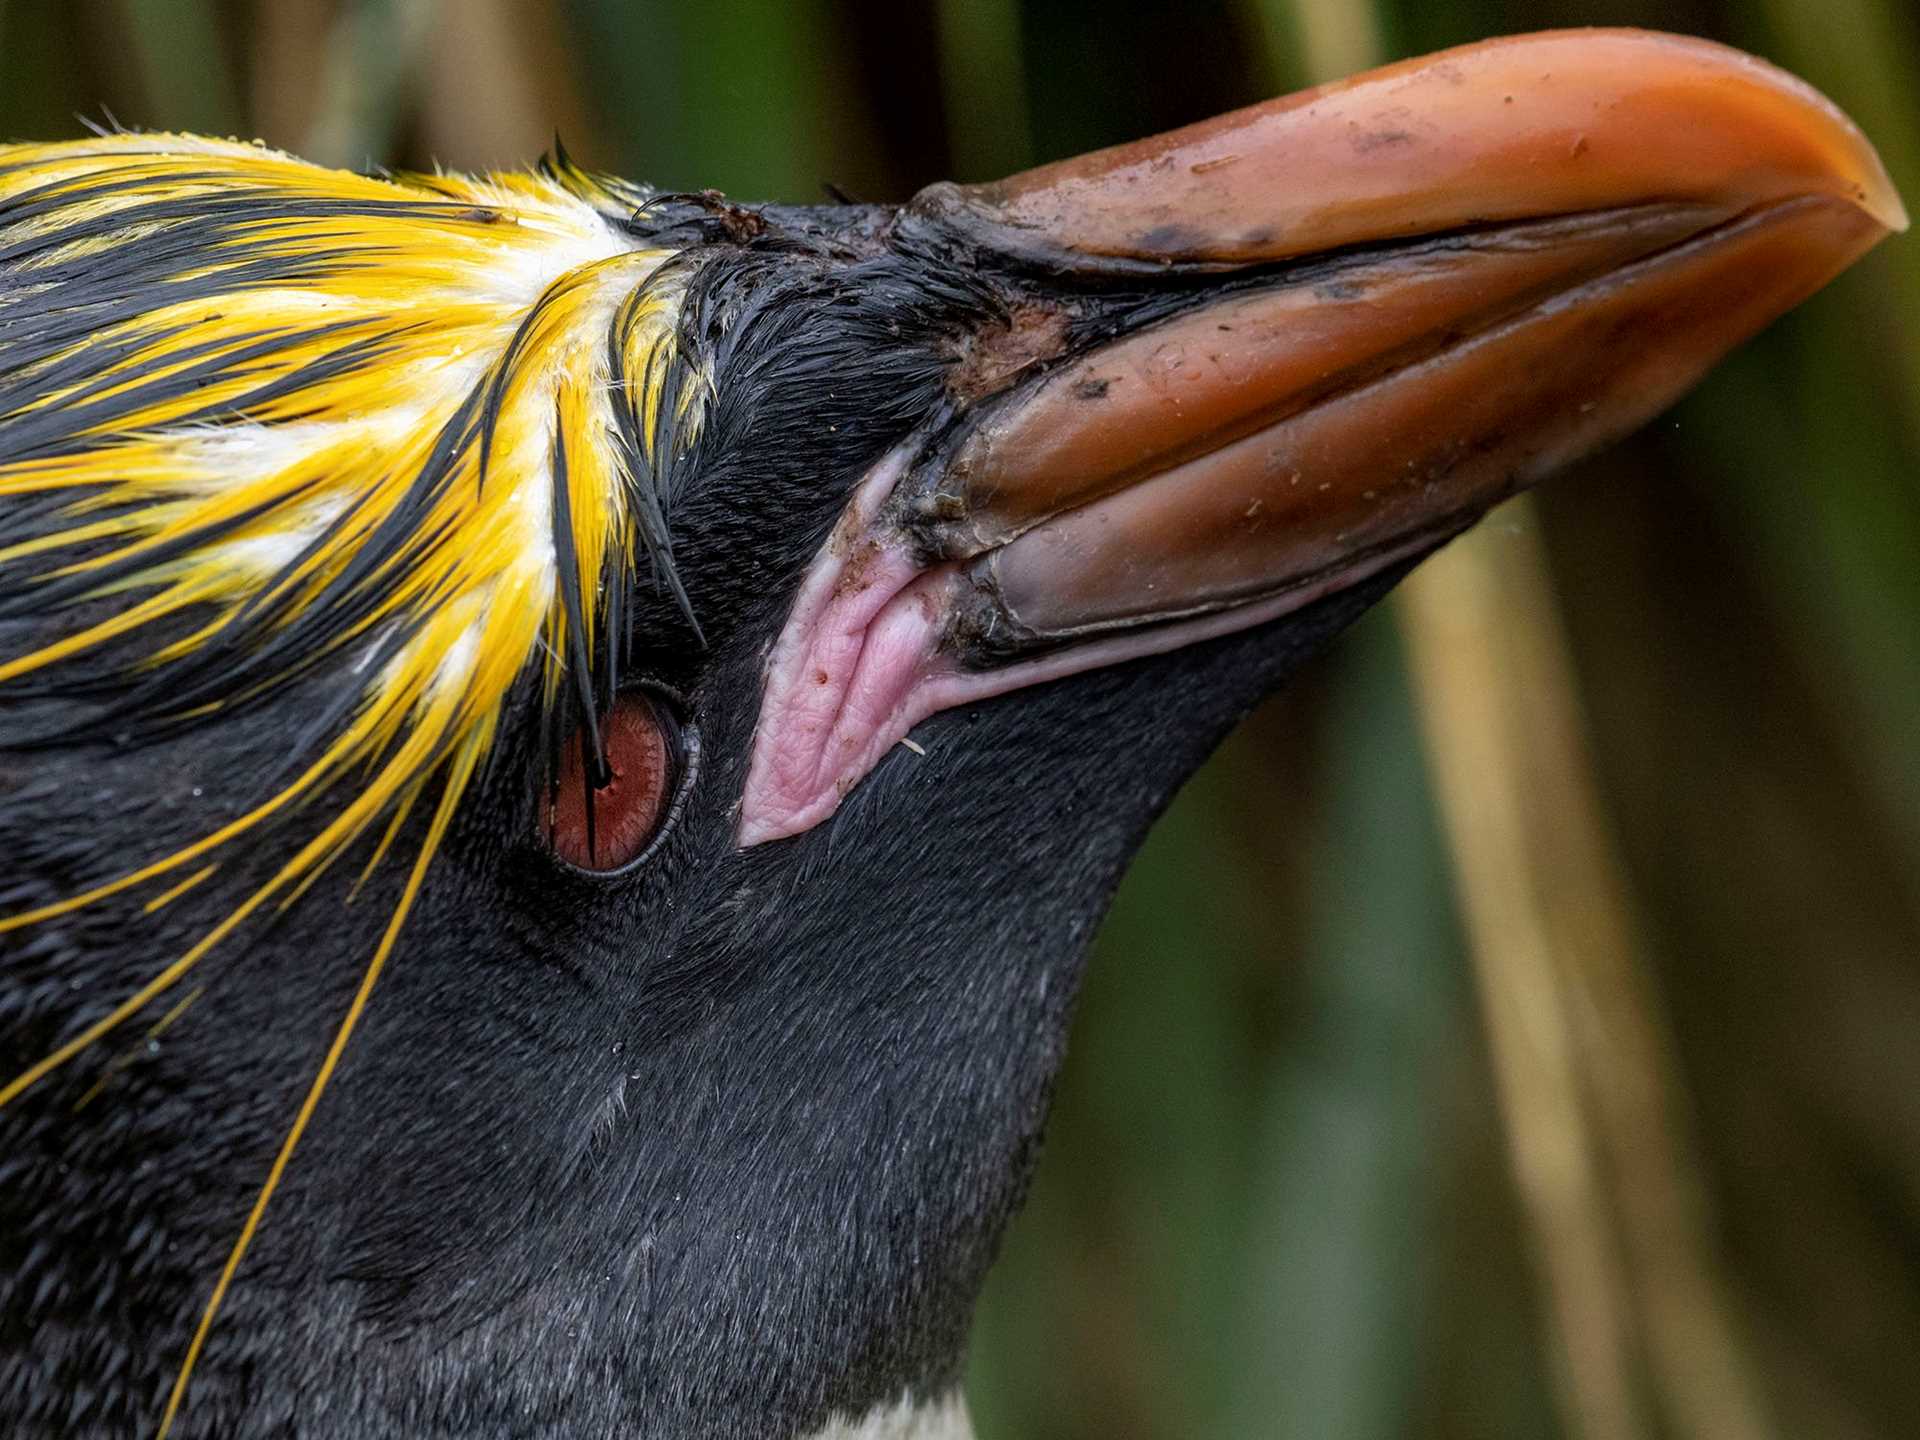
(611,825)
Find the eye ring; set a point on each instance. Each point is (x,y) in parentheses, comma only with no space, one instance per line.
(651,746)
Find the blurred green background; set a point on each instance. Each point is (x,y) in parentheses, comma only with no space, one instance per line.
(1593,1111)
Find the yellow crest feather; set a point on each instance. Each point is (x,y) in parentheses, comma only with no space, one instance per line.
(275,415)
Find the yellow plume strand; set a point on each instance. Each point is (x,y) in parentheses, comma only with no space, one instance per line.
(391,425)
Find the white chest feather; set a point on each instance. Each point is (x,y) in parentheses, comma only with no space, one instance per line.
(905,1419)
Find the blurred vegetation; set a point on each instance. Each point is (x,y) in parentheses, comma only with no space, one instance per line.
(1280,1192)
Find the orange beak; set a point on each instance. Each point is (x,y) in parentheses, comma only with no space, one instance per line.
(1433,284)
(1349,322)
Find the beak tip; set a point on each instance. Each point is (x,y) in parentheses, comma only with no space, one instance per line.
(1886,207)
(1861,178)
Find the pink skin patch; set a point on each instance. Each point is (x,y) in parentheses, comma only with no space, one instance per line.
(850,673)
(860,661)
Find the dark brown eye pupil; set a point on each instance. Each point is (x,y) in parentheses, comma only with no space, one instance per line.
(606,827)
